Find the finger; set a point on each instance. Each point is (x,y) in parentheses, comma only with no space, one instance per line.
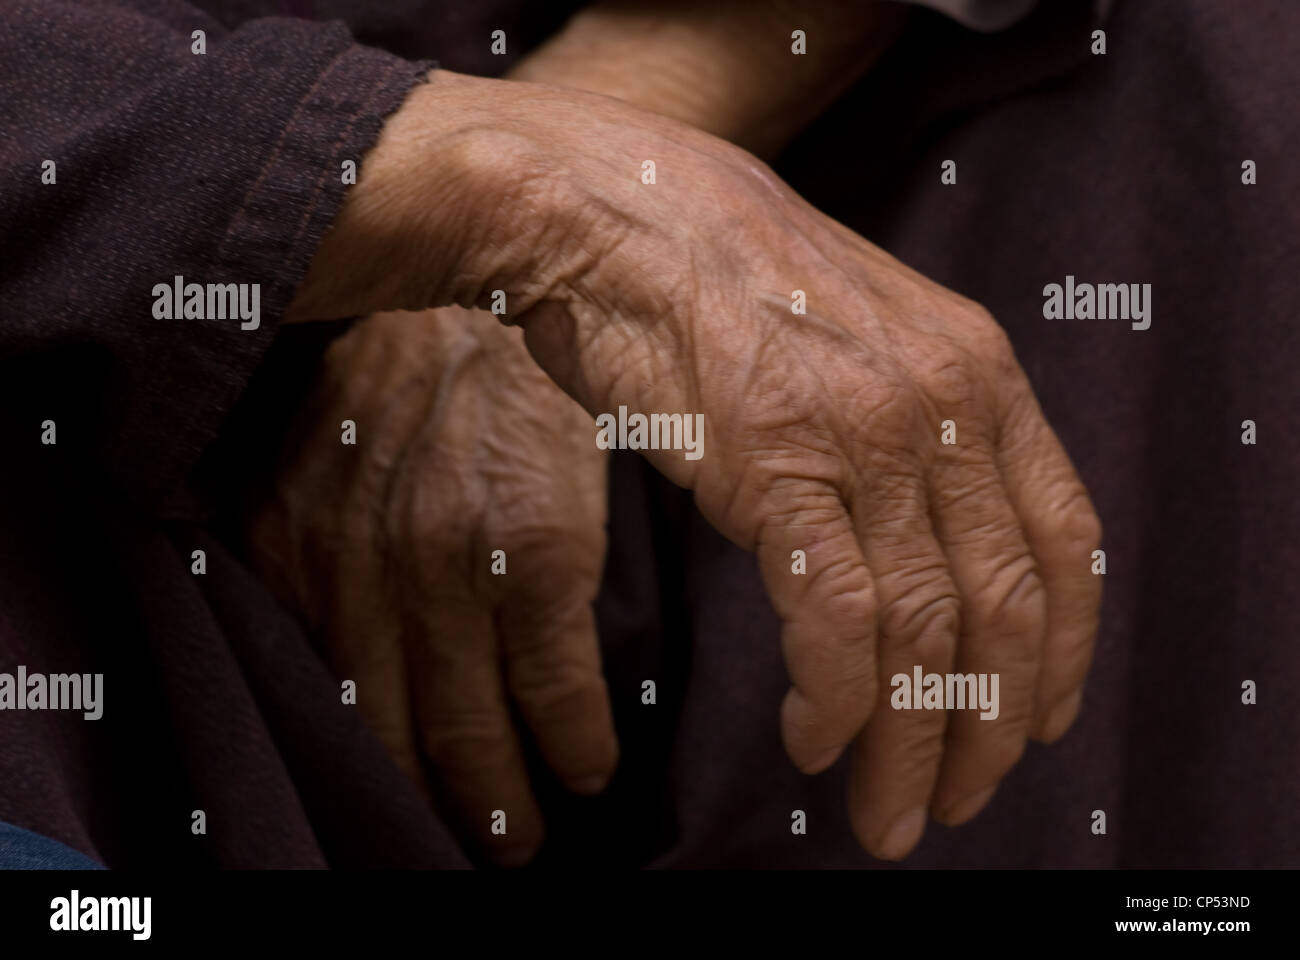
(436,507)
(364,638)
(1063,530)
(1003,621)
(826,602)
(896,758)
(466,728)
(356,624)
(553,672)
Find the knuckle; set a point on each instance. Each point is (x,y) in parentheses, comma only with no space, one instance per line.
(845,593)
(975,498)
(915,742)
(1017,601)
(840,691)
(442,507)
(883,414)
(552,580)
(556,687)
(534,517)
(1076,521)
(851,698)
(923,747)
(990,340)
(951,382)
(406,514)
(789,505)
(391,727)
(466,741)
(924,623)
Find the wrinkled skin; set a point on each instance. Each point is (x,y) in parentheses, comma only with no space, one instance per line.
(822,434)
(464,447)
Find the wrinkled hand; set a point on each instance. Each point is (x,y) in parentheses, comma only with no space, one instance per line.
(550,660)
(822,430)
(463,448)
(823,433)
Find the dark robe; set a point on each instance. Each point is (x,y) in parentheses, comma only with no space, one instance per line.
(1117,168)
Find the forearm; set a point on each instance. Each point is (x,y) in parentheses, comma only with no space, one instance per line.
(726,67)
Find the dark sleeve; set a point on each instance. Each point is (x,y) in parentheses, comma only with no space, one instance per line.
(224,167)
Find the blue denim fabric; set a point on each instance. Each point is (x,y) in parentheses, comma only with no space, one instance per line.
(23,850)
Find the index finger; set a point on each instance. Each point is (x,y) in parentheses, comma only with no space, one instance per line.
(827,604)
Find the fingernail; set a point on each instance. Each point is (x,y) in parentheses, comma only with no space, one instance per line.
(959,813)
(903,835)
(588,786)
(1062,715)
(824,761)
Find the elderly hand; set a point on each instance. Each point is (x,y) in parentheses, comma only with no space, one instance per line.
(824,430)
(389,548)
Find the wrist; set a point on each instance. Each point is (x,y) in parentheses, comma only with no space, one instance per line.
(436,206)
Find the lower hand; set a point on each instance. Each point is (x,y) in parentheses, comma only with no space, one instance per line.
(388,550)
